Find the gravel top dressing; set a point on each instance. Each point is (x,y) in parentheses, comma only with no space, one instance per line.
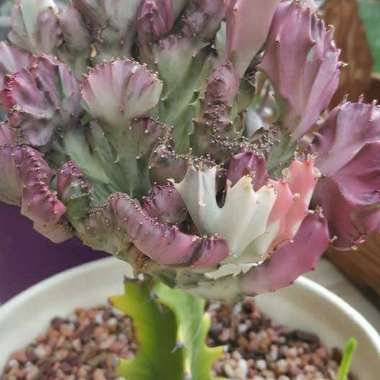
(85,346)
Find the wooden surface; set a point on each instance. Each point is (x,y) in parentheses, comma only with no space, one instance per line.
(350,37)
(362,266)
(374,88)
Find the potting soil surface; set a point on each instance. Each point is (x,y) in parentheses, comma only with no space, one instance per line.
(86,345)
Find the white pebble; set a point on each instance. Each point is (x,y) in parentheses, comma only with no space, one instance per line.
(229,370)
(112,322)
(13,363)
(236,355)
(292,352)
(261,364)
(99,319)
(242,370)
(273,354)
(282,366)
(32,373)
(242,328)
(40,351)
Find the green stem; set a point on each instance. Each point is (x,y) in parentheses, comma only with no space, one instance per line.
(171,329)
(348,354)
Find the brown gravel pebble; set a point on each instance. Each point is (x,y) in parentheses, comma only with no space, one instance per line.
(258,349)
(85,345)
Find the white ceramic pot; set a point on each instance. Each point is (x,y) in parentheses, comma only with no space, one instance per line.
(304,305)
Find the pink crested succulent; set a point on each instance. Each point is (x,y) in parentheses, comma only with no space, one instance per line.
(191,139)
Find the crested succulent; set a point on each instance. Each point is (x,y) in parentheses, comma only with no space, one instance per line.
(191,139)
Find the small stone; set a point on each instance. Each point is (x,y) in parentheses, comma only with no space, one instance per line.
(228,370)
(32,373)
(99,375)
(242,369)
(67,330)
(41,352)
(261,364)
(20,356)
(281,366)
(13,363)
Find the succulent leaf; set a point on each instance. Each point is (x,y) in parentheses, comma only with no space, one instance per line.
(74,190)
(165,203)
(180,100)
(155,20)
(117,160)
(198,190)
(162,243)
(42,100)
(348,128)
(35,26)
(248,23)
(166,164)
(302,178)
(347,148)
(89,161)
(187,49)
(10,184)
(281,154)
(352,217)
(214,131)
(39,202)
(134,146)
(119,91)
(203,18)
(112,24)
(99,230)
(76,41)
(290,261)
(300,39)
(248,164)
(11,61)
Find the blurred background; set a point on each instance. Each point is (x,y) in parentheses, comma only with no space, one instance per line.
(357,33)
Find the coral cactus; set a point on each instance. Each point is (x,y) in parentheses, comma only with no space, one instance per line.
(191,139)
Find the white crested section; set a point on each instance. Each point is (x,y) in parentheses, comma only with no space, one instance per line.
(241,221)
(233,269)
(253,255)
(198,191)
(260,246)
(224,289)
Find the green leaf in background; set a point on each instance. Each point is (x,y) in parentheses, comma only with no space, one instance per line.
(171,329)
(159,356)
(348,354)
(193,327)
(370,14)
